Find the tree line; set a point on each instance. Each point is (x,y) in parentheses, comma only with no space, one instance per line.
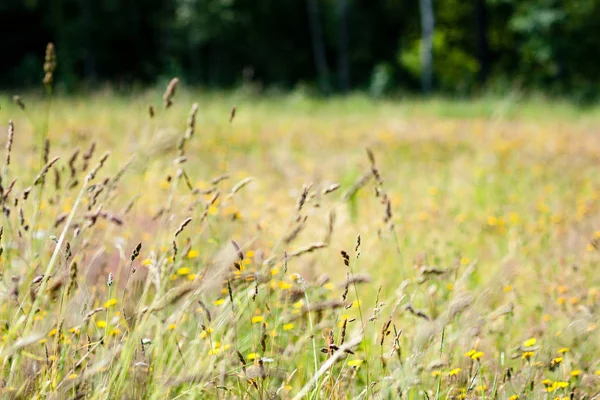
(451,46)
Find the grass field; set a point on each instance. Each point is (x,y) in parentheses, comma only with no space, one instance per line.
(458,258)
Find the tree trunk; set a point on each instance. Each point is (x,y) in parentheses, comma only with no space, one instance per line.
(318,45)
(89,60)
(214,66)
(482,40)
(194,54)
(343,58)
(427,29)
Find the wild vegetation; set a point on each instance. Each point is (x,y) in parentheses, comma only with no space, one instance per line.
(288,247)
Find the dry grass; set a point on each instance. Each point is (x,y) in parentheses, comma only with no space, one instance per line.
(271,255)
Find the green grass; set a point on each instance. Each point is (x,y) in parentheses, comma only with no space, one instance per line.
(489,241)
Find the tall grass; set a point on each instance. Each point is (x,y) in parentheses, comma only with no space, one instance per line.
(193,250)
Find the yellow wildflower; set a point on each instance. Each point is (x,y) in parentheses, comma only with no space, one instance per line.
(477,355)
(454,372)
(110,303)
(287,327)
(575,373)
(193,254)
(184,271)
(76,330)
(562,289)
(557,360)
(574,300)
(527,355)
(355,363)
(530,342)
(205,333)
(284,285)
(257,318)
(298,304)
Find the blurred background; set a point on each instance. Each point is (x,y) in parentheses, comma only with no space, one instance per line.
(326,46)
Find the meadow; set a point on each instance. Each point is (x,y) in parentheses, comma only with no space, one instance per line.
(296,247)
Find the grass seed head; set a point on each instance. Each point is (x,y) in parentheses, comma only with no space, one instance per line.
(40,177)
(205,310)
(191,125)
(182,226)
(87,156)
(232,114)
(49,65)
(9,142)
(19,102)
(170,92)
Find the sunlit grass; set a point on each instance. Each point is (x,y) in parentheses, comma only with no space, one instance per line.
(474,275)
